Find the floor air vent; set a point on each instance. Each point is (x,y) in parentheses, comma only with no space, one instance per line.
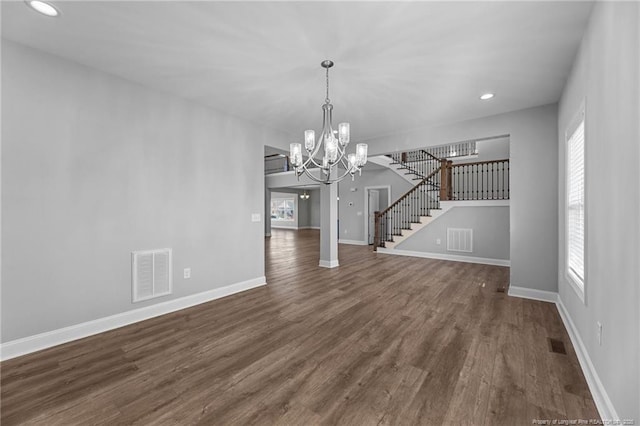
(557,346)
(150,274)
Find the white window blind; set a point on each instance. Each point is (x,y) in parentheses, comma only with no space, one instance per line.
(575,205)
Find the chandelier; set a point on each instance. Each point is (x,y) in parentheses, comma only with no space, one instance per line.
(304,196)
(332,143)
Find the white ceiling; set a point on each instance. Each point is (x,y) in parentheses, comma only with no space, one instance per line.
(399,65)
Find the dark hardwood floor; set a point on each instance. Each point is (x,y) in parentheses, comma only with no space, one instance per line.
(381,340)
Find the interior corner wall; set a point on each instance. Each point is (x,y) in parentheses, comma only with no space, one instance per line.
(534,183)
(95,167)
(606,77)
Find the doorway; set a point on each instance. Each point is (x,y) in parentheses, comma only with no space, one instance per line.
(376,199)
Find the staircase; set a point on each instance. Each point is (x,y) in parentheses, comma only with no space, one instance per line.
(439,179)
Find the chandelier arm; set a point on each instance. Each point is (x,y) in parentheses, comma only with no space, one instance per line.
(313,177)
(345,163)
(311,160)
(339,178)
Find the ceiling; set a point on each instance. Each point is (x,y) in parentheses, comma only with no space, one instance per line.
(399,65)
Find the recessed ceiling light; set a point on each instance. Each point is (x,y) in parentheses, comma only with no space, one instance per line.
(43,7)
(486,96)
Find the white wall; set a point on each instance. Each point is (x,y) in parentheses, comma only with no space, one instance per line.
(534,183)
(94,167)
(606,75)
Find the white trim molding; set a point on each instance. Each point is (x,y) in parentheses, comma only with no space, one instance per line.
(533,294)
(445,205)
(353,242)
(57,337)
(329,263)
(283,227)
(442,256)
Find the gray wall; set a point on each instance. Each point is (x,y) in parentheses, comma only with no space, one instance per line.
(492,149)
(314,208)
(533,135)
(94,167)
(351,223)
(606,77)
(490,232)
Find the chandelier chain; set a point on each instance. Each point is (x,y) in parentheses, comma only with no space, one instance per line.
(327,98)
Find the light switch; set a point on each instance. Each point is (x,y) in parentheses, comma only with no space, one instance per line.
(255,217)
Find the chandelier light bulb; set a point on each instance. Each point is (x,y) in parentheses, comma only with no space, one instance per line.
(343,133)
(309,140)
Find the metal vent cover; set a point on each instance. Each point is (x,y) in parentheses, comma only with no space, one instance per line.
(460,239)
(151,274)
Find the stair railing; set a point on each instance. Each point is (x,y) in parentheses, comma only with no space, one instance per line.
(276,163)
(483,180)
(453,150)
(417,202)
(418,162)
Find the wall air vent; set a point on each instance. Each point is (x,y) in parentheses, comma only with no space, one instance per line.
(459,239)
(150,274)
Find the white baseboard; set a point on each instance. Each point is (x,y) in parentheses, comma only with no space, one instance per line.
(442,256)
(309,227)
(353,242)
(529,293)
(329,263)
(284,227)
(52,338)
(603,403)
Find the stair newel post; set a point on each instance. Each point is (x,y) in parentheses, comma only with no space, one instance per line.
(376,227)
(446,188)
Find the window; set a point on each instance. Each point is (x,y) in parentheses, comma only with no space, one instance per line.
(283,209)
(575,204)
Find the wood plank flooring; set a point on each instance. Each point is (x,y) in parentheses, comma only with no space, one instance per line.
(381,340)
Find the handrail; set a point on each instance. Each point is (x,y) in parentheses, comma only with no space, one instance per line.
(479,162)
(433,157)
(409,192)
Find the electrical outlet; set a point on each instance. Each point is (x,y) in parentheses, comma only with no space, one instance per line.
(599,333)
(187,273)
(438,241)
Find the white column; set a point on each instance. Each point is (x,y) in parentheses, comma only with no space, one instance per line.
(329,225)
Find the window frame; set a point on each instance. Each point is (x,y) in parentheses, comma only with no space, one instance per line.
(577,284)
(283,199)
